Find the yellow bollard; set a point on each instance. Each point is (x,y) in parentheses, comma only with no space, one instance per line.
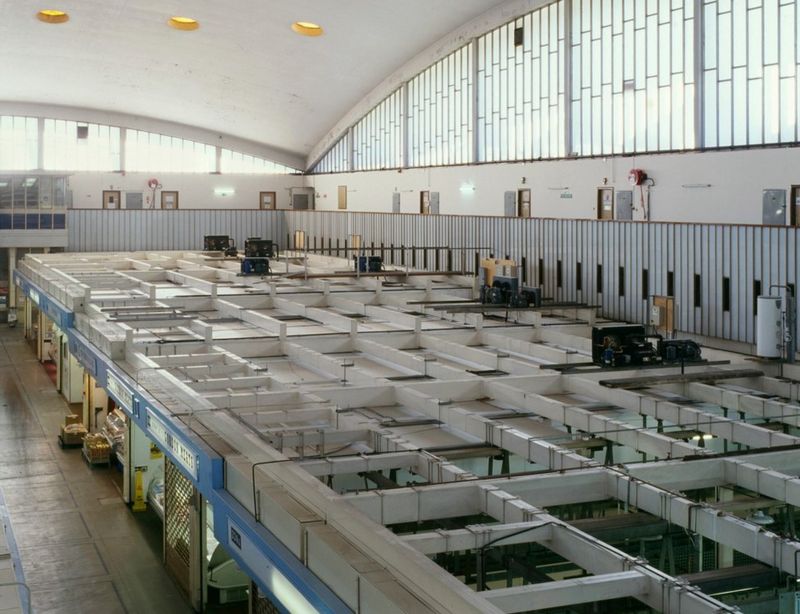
(139,503)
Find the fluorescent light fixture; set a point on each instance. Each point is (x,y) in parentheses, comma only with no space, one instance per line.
(307,28)
(52,16)
(706,436)
(183,23)
(467,188)
(224,191)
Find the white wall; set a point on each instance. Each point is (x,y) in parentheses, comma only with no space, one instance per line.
(568,188)
(196,191)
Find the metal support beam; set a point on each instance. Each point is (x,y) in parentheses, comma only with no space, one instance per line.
(590,589)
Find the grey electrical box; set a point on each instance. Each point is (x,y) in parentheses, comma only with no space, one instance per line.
(510,204)
(434,203)
(396,202)
(774,208)
(302,198)
(625,205)
(133,200)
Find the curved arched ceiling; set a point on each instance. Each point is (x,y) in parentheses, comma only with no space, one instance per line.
(244,72)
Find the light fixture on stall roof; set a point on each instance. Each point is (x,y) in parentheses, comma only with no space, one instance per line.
(52,16)
(307,28)
(183,23)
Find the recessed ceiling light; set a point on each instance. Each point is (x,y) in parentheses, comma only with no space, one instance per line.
(52,16)
(306,28)
(183,23)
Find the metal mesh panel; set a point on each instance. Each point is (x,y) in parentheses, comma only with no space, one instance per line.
(259,604)
(178,493)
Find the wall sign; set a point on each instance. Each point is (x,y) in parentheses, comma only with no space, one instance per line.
(83,356)
(120,392)
(180,453)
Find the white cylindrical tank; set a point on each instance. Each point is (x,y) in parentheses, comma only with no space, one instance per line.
(769,327)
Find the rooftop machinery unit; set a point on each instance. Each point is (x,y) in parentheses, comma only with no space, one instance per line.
(257,252)
(220,243)
(624,345)
(500,283)
(368,264)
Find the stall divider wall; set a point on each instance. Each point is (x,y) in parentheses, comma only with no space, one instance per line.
(265,559)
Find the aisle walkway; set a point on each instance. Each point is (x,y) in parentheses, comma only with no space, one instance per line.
(82,550)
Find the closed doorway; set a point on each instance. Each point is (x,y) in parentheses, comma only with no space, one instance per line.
(342,197)
(605,203)
(524,203)
(169,200)
(794,206)
(111,199)
(425,202)
(266,200)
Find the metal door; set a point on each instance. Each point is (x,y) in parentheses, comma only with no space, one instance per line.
(510,204)
(111,199)
(434,204)
(266,200)
(425,202)
(182,533)
(342,197)
(169,199)
(524,203)
(774,208)
(625,205)
(134,200)
(605,203)
(396,202)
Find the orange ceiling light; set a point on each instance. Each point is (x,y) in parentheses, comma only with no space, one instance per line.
(183,23)
(52,16)
(307,28)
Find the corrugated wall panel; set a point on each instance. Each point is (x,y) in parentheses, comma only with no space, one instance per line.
(741,254)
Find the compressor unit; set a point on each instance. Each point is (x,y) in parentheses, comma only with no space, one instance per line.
(220,243)
(255,266)
(629,345)
(257,252)
(368,264)
(505,291)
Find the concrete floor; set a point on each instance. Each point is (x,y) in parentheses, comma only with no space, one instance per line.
(82,550)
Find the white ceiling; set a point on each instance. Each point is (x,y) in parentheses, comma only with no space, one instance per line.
(243,73)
